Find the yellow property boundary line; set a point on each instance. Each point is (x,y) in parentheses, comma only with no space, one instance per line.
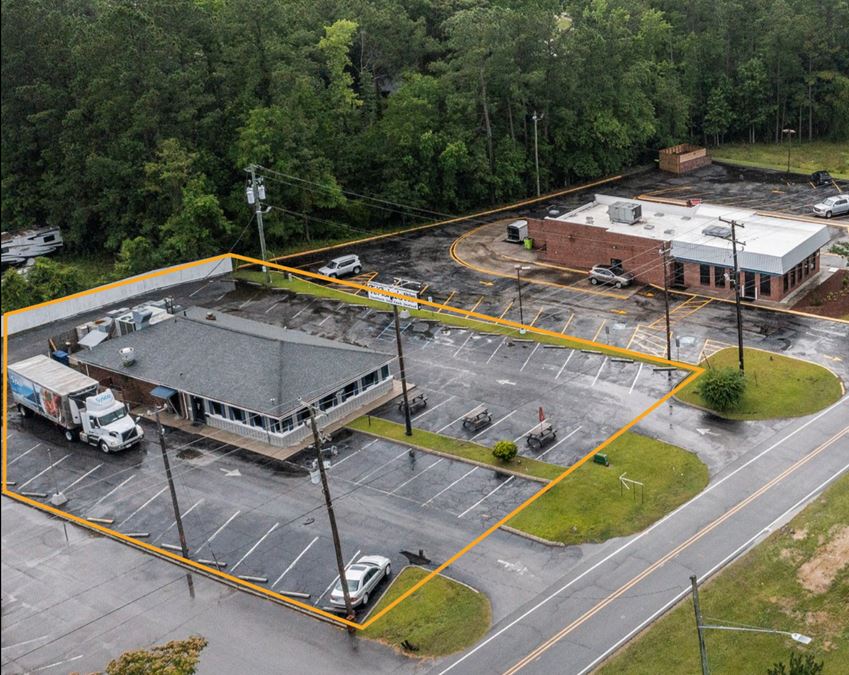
(695,372)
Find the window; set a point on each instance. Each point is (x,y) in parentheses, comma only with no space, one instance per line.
(256,420)
(49,238)
(237,414)
(303,416)
(384,372)
(806,266)
(273,425)
(327,402)
(719,276)
(369,380)
(287,424)
(349,391)
(786,282)
(766,284)
(793,277)
(704,275)
(215,408)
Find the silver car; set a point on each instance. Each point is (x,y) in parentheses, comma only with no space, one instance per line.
(833,206)
(363,576)
(339,267)
(606,274)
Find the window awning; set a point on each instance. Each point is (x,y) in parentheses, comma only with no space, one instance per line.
(163,392)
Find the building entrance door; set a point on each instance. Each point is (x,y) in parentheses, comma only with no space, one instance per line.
(749,285)
(198,411)
(678,274)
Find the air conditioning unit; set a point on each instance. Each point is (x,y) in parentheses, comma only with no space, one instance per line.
(624,212)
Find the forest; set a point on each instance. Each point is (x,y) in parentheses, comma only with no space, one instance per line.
(130,123)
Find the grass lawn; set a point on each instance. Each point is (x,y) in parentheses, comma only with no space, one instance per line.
(777,386)
(297,285)
(797,580)
(587,506)
(805,157)
(454,446)
(440,618)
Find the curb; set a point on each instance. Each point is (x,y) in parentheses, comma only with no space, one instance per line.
(532,537)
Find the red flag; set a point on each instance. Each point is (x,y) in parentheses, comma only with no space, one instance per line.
(541,415)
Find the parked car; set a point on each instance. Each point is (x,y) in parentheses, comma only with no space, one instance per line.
(339,267)
(832,206)
(606,274)
(363,576)
(820,178)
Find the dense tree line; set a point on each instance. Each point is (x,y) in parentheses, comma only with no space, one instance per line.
(129,124)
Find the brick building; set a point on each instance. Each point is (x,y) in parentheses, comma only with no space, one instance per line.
(775,254)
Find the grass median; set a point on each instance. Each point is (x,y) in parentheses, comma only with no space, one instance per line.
(590,504)
(805,158)
(442,617)
(797,581)
(776,386)
(454,447)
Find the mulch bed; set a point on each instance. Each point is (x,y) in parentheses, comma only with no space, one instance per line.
(831,298)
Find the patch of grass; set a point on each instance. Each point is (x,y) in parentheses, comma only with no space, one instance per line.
(454,447)
(587,506)
(440,618)
(805,158)
(776,385)
(761,589)
(297,285)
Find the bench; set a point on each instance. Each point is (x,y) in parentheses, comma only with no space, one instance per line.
(477,418)
(542,434)
(416,403)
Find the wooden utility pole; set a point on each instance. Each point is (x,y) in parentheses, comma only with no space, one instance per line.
(337,545)
(407,421)
(665,252)
(257,204)
(697,609)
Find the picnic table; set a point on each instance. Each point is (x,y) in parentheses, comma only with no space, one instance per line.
(416,403)
(542,434)
(477,418)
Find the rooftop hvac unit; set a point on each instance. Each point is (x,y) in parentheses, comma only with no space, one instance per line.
(624,212)
(128,355)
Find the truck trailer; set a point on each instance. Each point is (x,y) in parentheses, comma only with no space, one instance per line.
(71,400)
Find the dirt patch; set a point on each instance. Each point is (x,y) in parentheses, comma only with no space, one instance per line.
(817,574)
(830,298)
(798,535)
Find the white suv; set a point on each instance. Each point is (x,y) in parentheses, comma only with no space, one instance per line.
(833,206)
(339,267)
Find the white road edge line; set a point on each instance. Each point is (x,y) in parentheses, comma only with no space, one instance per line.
(468,473)
(293,563)
(40,473)
(642,534)
(253,548)
(336,578)
(480,501)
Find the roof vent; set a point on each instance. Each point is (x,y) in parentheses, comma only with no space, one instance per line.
(589,220)
(210,316)
(128,355)
(648,226)
(671,230)
(624,212)
(659,214)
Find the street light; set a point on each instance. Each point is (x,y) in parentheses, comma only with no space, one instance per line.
(519,270)
(790,133)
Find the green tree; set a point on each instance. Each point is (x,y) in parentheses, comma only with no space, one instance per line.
(178,657)
(722,388)
(136,256)
(718,116)
(16,291)
(842,250)
(192,232)
(799,665)
(505,451)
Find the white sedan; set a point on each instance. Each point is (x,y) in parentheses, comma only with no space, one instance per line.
(363,576)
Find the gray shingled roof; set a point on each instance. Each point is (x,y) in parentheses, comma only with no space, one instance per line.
(221,362)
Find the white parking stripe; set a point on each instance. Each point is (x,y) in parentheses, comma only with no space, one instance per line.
(40,473)
(432,409)
(294,562)
(333,583)
(600,368)
(468,473)
(85,475)
(465,342)
(144,505)
(305,307)
(23,454)
(500,344)
(272,306)
(566,437)
(529,357)
(371,473)
(565,363)
(112,491)
(253,548)
(345,459)
(439,431)
(480,501)
(184,514)
(639,370)
(218,531)
(522,435)
(494,424)
(406,482)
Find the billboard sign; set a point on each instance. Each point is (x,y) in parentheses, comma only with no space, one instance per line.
(375,294)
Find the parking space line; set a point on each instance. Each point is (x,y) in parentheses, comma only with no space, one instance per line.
(495,424)
(336,578)
(294,562)
(221,296)
(506,309)
(85,475)
(386,328)
(407,482)
(565,363)
(447,300)
(475,306)
(480,501)
(321,323)
(248,301)
(600,368)
(536,346)
(218,531)
(565,438)
(639,370)
(568,321)
(497,348)
(441,403)
(40,473)
(439,431)
(536,317)
(184,514)
(345,459)
(598,332)
(385,464)
(445,489)
(301,310)
(272,306)
(112,491)
(144,505)
(465,342)
(254,547)
(522,435)
(10,462)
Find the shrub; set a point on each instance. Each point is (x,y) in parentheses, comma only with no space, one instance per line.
(505,451)
(722,388)
(178,657)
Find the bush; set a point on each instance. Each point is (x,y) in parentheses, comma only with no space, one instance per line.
(799,665)
(505,451)
(178,657)
(722,388)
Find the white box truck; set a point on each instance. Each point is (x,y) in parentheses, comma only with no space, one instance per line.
(70,399)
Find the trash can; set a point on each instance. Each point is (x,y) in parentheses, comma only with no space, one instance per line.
(601,458)
(529,243)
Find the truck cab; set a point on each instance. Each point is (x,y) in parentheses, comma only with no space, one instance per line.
(105,422)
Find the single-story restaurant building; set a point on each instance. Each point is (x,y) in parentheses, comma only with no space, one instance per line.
(775,254)
(248,378)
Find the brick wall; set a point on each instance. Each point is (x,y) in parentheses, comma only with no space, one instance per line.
(131,391)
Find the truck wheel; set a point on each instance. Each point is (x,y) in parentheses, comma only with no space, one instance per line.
(70,435)
(24,411)
(103,447)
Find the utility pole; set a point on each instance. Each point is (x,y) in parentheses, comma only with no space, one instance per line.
(177,517)
(536,118)
(340,565)
(255,194)
(519,269)
(697,609)
(736,281)
(665,253)
(407,421)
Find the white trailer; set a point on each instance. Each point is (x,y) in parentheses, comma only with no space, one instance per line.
(69,399)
